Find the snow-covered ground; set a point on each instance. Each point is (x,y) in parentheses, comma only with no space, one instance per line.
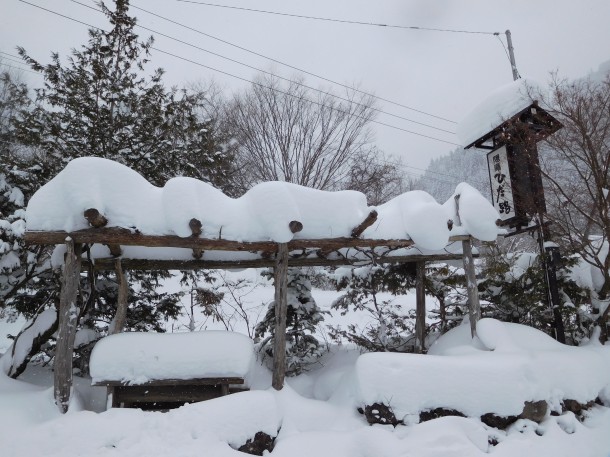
(316,413)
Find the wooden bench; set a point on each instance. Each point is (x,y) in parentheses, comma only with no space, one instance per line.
(164,394)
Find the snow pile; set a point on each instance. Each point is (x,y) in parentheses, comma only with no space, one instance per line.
(261,214)
(475,214)
(135,358)
(500,105)
(507,365)
(414,215)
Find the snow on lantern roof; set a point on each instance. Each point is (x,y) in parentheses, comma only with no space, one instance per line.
(264,213)
(136,358)
(501,105)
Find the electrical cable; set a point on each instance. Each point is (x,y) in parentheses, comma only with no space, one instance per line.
(343,21)
(290,66)
(278,76)
(247,80)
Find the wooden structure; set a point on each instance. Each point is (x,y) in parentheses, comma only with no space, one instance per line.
(514,168)
(169,393)
(280,256)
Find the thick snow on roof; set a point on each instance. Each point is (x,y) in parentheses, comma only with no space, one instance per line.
(500,105)
(507,365)
(261,214)
(135,358)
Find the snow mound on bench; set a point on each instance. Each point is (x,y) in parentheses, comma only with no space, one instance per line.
(135,358)
(507,365)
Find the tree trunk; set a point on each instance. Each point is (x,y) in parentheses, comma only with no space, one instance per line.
(68,320)
(280,274)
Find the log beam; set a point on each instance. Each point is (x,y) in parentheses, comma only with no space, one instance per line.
(153,264)
(95,218)
(295,226)
(366,223)
(420,308)
(68,320)
(118,323)
(474,309)
(280,274)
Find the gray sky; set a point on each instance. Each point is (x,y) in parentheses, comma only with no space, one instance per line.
(441,73)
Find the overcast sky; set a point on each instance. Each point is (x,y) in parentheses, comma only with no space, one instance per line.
(441,73)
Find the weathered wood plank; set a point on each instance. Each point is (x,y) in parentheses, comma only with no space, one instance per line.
(179,382)
(471,286)
(280,274)
(118,323)
(420,307)
(68,317)
(145,264)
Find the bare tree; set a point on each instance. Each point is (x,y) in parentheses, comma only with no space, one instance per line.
(576,168)
(288,132)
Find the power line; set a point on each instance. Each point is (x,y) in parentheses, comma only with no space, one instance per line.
(305,99)
(247,80)
(19,68)
(290,66)
(343,21)
(278,76)
(11,55)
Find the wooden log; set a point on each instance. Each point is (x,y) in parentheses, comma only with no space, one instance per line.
(474,309)
(196,230)
(95,218)
(295,226)
(68,320)
(126,237)
(420,308)
(366,223)
(196,227)
(115,250)
(118,323)
(265,262)
(280,274)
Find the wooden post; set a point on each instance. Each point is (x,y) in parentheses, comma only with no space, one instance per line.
(118,323)
(68,320)
(420,307)
(280,274)
(471,286)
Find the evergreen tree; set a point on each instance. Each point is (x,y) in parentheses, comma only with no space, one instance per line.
(302,316)
(100,103)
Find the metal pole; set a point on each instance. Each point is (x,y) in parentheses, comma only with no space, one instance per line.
(511,56)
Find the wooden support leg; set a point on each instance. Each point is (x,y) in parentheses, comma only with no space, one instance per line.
(471,286)
(118,323)
(68,320)
(420,308)
(280,273)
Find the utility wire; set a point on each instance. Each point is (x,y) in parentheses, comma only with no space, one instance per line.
(290,66)
(247,80)
(11,55)
(343,21)
(18,68)
(277,76)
